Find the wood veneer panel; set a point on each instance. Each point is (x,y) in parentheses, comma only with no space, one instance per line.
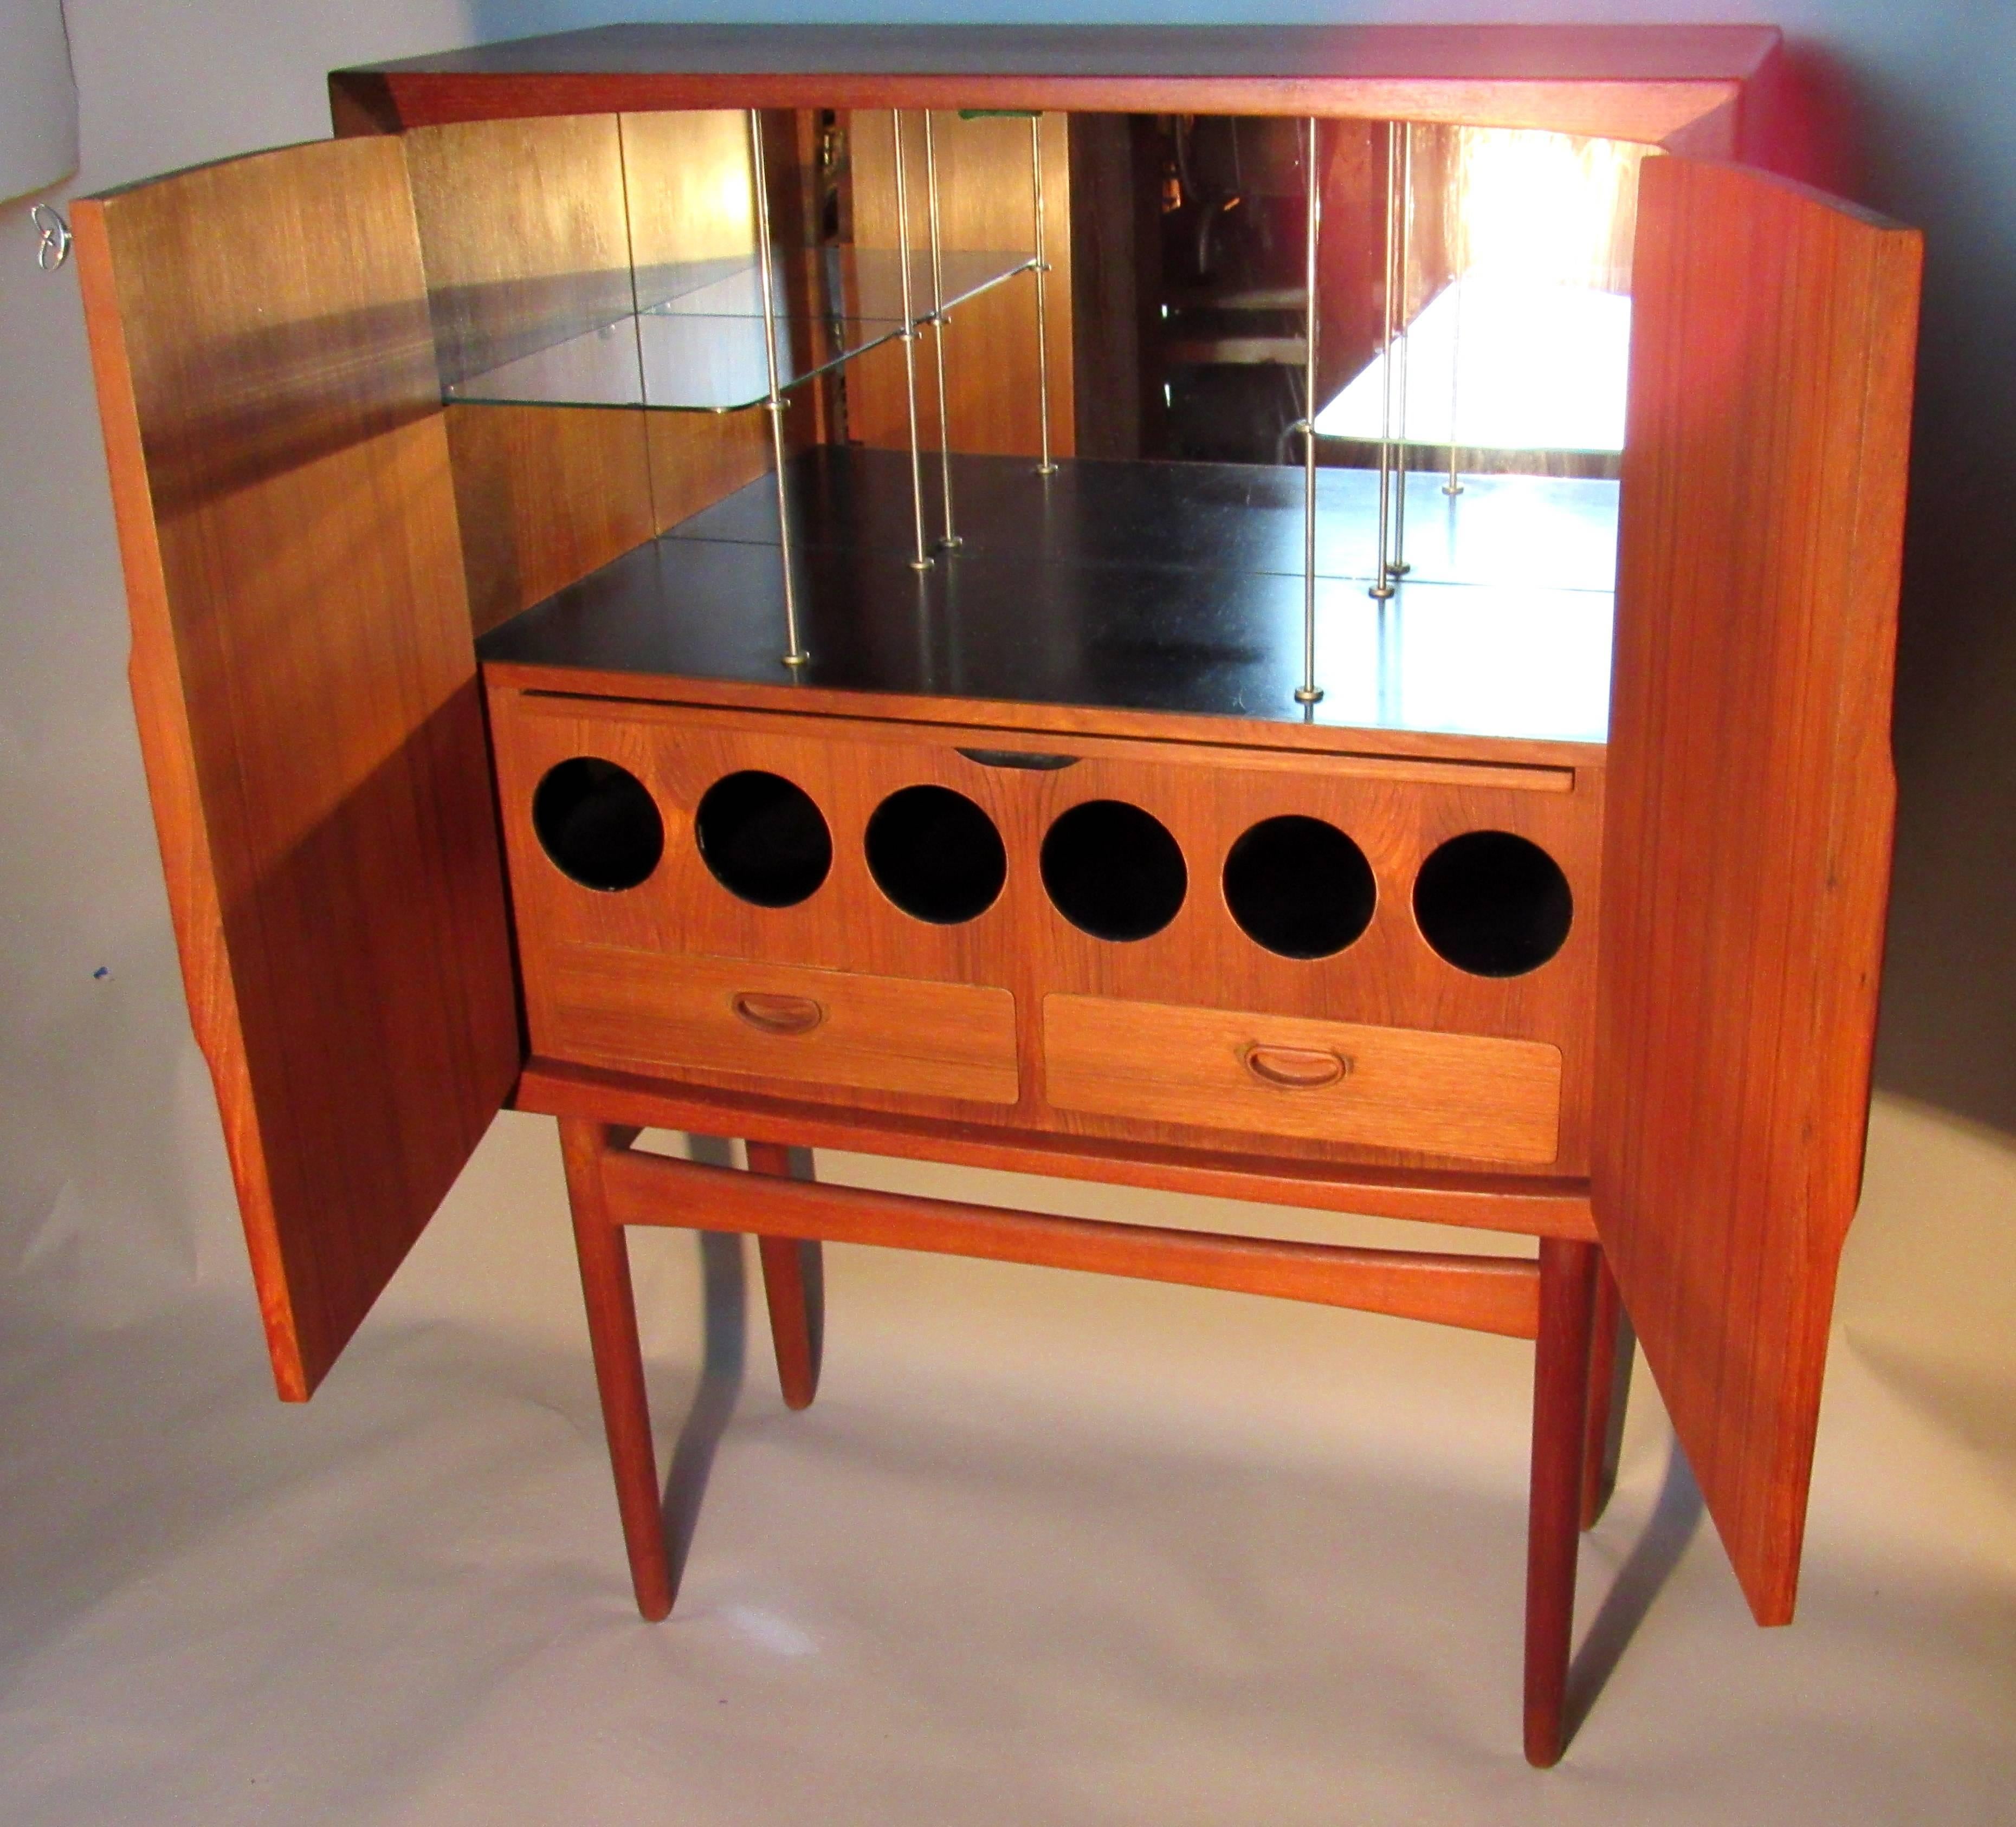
(1485,1294)
(1398,810)
(1647,83)
(651,1011)
(524,232)
(991,349)
(1522,1204)
(1031,724)
(1465,1095)
(687,175)
(529,229)
(306,702)
(699,458)
(545,495)
(1752,794)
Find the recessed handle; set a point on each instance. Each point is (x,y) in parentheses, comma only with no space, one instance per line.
(1295,1069)
(1019,758)
(776,1015)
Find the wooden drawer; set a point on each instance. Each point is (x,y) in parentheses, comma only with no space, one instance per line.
(1469,1096)
(671,1012)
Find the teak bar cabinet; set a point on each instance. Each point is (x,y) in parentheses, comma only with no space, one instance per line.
(707,578)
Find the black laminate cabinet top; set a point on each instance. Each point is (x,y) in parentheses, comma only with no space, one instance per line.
(1163,587)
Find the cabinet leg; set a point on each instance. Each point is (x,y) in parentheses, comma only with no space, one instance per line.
(793,1288)
(619,1362)
(1609,1353)
(1560,1390)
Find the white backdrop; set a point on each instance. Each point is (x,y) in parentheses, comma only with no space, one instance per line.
(37,98)
(1047,1548)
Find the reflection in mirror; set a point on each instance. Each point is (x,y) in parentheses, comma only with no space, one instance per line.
(1462,354)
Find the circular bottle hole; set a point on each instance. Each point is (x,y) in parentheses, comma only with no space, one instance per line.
(1113,870)
(1299,887)
(762,838)
(936,854)
(1493,904)
(598,823)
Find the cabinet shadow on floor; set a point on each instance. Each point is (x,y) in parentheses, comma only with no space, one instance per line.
(724,1355)
(1676,1517)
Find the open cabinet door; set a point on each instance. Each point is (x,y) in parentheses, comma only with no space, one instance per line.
(305,686)
(1750,798)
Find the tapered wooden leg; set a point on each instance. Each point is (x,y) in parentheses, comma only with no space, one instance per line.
(794,1289)
(1560,1392)
(1610,1352)
(619,1361)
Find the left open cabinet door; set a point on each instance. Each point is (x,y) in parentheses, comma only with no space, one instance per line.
(305,686)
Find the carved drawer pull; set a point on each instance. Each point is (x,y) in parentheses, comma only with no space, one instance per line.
(1295,1069)
(777,1014)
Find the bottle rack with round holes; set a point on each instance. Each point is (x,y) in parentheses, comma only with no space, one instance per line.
(1334,955)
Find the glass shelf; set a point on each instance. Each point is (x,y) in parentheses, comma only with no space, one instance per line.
(696,343)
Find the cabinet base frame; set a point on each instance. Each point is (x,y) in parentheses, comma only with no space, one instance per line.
(1551,1300)
(1527,1205)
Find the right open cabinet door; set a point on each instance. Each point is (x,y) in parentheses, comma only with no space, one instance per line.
(1750,805)
(305,680)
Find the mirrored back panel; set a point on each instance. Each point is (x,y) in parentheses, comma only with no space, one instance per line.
(1366,429)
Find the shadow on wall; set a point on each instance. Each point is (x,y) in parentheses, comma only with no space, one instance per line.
(1902,119)
(1901,137)
(1949,1031)
(1893,137)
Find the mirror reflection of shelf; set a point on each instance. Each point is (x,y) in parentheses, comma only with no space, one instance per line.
(697,342)
(1520,351)
(1499,362)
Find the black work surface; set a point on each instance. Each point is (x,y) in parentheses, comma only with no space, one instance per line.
(1145,586)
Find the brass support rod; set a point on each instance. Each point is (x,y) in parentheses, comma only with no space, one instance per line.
(1309,692)
(773,403)
(1046,467)
(922,562)
(1454,485)
(1399,567)
(1382,581)
(941,324)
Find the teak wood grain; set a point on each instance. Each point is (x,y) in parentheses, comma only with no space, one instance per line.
(1659,85)
(524,234)
(1508,759)
(269,377)
(1397,810)
(793,1291)
(1567,1273)
(1525,1205)
(689,197)
(604,1254)
(991,355)
(547,493)
(663,1012)
(1467,1095)
(306,702)
(1484,1293)
(1612,1344)
(1751,810)
(529,230)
